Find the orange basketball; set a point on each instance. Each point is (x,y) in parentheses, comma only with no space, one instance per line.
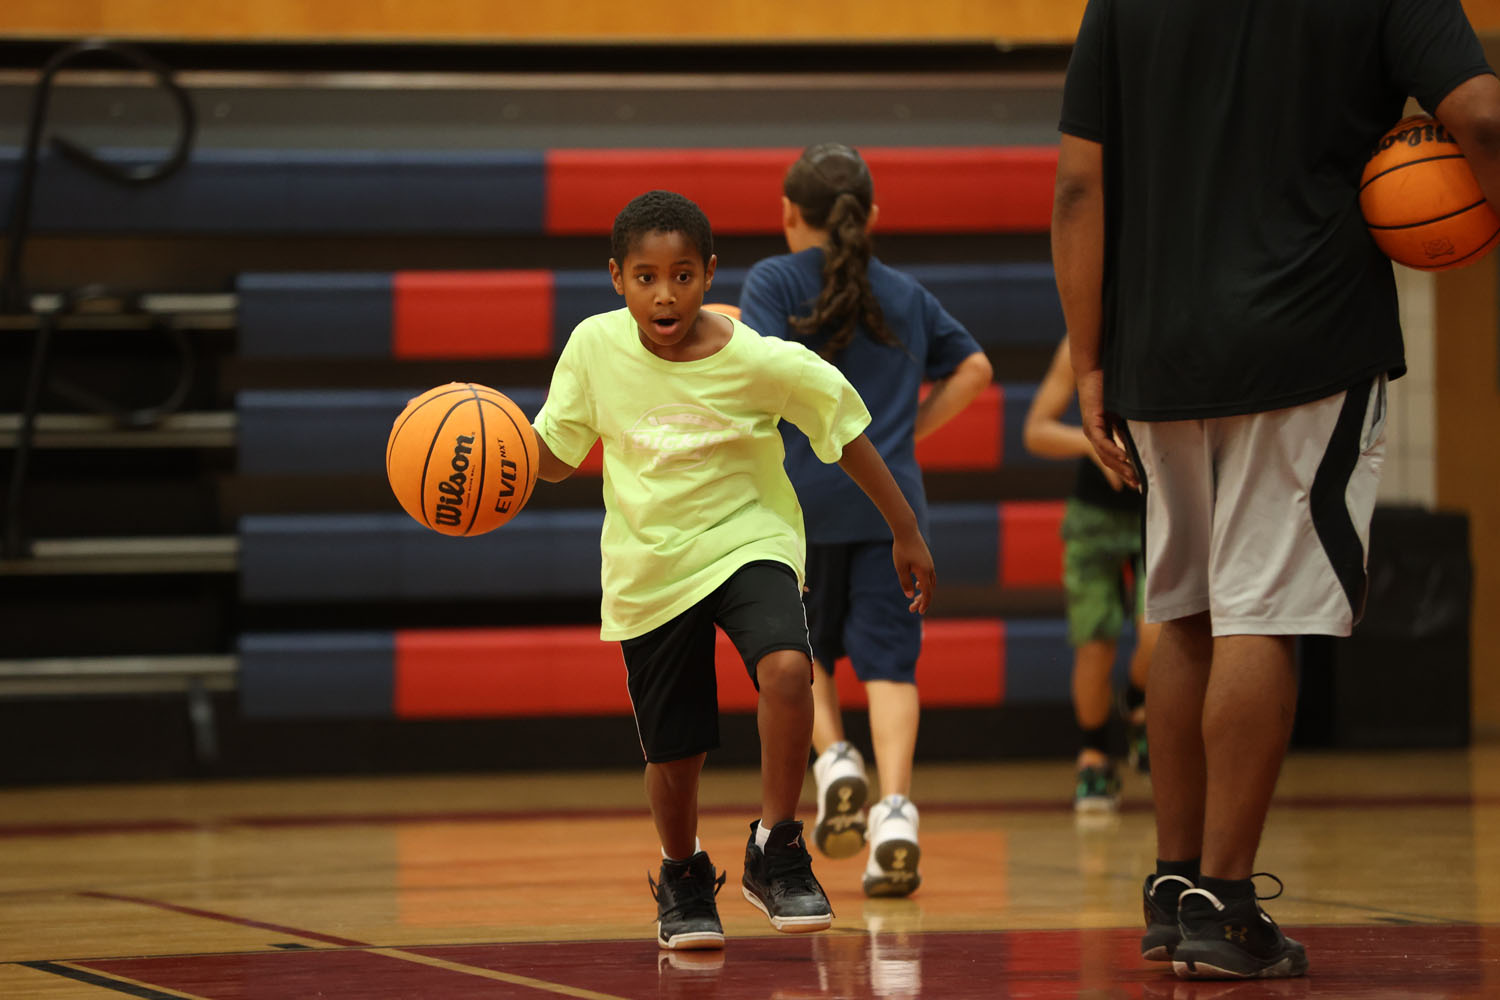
(1421,201)
(462,459)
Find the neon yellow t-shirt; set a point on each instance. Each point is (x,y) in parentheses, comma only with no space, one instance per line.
(693,481)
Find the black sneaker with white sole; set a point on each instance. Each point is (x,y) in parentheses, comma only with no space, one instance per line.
(1159,901)
(779,880)
(686,915)
(1235,940)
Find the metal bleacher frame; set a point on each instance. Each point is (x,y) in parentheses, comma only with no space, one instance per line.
(194,677)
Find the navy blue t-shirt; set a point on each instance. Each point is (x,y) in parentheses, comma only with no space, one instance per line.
(888,378)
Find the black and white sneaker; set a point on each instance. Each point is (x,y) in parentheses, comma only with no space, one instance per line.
(686,915)
(1232,940)
(1159,901)
(779,880)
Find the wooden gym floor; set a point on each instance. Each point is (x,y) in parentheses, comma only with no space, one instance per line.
(529,886)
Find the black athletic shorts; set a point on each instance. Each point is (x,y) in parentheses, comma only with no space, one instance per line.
(673,687)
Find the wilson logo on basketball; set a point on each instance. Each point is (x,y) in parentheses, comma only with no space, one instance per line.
(450,501)
(1414,136)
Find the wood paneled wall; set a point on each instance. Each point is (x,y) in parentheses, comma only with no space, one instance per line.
(569,20)
(1468,457)
(549,20)
(1014,21)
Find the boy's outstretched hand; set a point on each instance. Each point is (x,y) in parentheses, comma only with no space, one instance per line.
(914,562)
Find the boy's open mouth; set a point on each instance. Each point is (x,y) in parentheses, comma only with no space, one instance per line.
(665,324)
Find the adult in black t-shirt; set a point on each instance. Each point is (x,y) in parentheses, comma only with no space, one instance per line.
(1223,296)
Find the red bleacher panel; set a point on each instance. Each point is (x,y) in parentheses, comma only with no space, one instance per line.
(964,190)
(569,671)
(1031,550)
(919,190)
(962,666)
(738,189)
(972,440)
(488,673)
(962,663)
(593,463)
(472,314)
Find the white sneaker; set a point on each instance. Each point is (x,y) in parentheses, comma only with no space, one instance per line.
(842,789)
(892,869)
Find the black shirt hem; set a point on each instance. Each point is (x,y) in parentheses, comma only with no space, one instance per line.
(1395,369)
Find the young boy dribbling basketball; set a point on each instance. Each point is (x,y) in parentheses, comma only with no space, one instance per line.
(702,529)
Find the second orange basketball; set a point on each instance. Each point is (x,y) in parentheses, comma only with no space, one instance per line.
(462,459)
(1421,202)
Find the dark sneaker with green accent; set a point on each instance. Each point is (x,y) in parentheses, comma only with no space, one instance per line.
(686,915)
(1232,940)
(1159,900)
(1096,790)
(779,880)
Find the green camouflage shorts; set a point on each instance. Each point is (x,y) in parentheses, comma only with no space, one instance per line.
(1102,570)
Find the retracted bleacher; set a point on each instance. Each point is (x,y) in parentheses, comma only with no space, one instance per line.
(268,563)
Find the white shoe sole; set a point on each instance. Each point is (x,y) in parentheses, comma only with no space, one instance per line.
(696,941)
(791,925)
(840,828)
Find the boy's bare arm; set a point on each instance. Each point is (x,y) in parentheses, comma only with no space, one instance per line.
(908,549)
(549,466)
(1044,434)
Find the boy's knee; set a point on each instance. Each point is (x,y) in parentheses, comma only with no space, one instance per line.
(784,672)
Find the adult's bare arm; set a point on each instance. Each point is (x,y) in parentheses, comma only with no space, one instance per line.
(1078,260)
(1471,111)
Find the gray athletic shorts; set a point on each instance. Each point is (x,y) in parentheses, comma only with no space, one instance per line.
(1263,520)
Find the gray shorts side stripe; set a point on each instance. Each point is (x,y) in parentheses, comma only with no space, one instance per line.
(1330,509)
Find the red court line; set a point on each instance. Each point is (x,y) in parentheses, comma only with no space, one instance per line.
(1063,804)
(228,918)
(94,827)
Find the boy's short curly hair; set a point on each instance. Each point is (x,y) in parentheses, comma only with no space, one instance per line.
(660,212)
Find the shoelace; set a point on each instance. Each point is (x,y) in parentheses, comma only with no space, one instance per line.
(1280,885)
(791,871)
(1219,904)
(693,899)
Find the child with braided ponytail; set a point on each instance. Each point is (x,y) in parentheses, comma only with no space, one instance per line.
(888,335)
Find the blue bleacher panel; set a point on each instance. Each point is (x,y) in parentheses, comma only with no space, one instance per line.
(350,557)
(353,557)
(325,192)
(328,432)
(316,674)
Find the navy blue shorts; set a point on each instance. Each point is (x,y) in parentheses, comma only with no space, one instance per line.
(673,686)
(855,608)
